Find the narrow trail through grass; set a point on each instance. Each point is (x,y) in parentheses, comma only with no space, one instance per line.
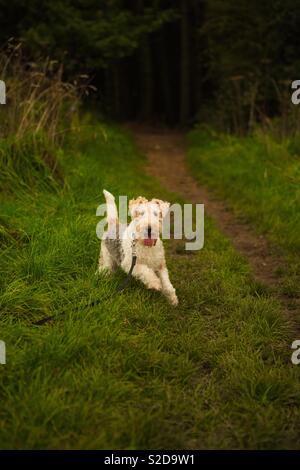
(166,152)
(133,372)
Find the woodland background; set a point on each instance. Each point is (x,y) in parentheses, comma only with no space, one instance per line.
(175,62)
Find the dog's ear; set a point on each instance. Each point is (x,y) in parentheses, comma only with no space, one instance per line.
(135,204)
(163,207)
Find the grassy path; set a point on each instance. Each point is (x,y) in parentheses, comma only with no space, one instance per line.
(166,153)
(133,372)
(259,178)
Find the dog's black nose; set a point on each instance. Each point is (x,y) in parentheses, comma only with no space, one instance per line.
(149,231)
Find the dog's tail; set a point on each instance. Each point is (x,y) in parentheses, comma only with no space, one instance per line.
(112,212)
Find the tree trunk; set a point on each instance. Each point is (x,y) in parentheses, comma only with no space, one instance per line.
(164,66)
(116,86)
(185,64)
(145,73)
(146,79)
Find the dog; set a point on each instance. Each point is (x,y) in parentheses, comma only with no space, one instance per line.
(143,233)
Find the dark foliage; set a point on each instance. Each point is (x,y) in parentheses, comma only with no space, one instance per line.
(170,61)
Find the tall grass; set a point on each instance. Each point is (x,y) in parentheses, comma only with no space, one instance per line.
(245,102)
(40,107)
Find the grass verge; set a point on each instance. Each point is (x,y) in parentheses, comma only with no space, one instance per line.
(260,180)
(133,372)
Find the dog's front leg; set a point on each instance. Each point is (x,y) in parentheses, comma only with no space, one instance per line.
(147,276)
(167,288)
(106,263)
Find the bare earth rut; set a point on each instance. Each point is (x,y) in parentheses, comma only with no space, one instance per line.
(165,151)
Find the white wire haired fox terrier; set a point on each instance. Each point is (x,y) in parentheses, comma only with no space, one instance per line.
(144,229)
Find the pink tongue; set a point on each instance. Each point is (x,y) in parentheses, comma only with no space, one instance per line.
(149,241)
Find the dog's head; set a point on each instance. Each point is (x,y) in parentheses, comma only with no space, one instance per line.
(147,217)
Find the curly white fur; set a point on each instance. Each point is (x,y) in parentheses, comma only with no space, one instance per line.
(145,227)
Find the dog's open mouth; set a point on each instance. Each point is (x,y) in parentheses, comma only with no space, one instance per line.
(150,241)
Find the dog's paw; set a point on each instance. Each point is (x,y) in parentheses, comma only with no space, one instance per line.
(102,271)
(174,300)
(154,284)
(172,297)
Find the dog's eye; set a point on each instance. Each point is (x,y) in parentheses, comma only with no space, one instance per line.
(155,213)
(141,213)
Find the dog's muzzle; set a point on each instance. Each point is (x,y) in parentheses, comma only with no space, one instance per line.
(149,239)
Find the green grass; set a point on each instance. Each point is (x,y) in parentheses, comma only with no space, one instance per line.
(133,372)
(259,178)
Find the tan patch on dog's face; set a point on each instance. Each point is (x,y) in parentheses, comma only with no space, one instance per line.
(135,206)
(163,206)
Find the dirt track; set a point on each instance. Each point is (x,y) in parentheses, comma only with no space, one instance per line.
(165,151)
